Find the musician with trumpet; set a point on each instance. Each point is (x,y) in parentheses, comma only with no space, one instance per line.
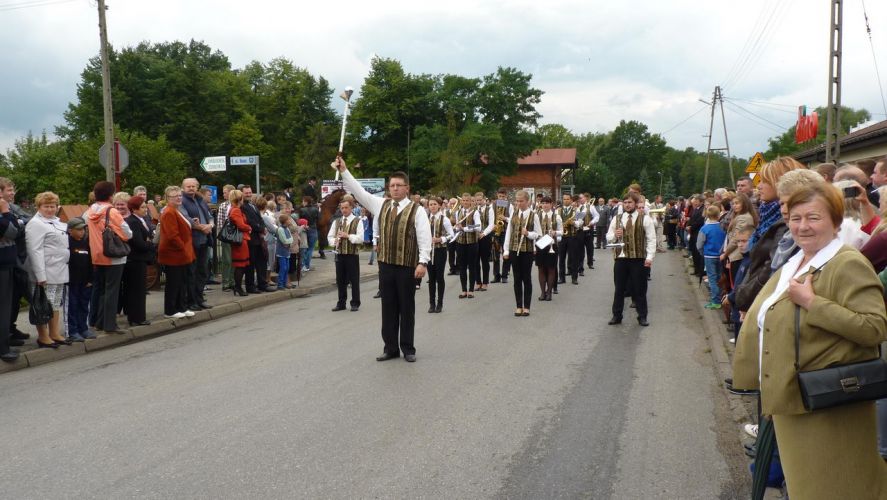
(633,236)
(441,233)
(484,241)
(502,209)
(589,221)
(346,234)
(520,234)
(570,249)
(467,227)
(546,257)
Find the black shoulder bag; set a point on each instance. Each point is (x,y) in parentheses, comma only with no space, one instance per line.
(842,384)
(230,234)
(112,245)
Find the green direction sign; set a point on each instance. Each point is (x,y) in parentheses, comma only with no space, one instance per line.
(213,164)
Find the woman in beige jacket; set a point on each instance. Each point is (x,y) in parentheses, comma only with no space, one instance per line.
(827,453)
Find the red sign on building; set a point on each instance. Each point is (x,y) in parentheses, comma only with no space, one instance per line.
(807,126)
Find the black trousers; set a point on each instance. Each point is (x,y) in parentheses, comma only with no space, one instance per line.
(522,265)
(174,291)
(436,281)
(107,285)
(697,257)
(671,235)
(600,236)
(258,265)
(6,293)
(589,247)
(19,289)
(134,290)
(398,287)
(570,256)
(466,255)
(451,253)
(506,264)
(348,272)
(630,278)
(484,251)
(197,276)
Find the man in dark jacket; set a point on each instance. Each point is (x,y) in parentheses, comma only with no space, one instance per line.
(694,224)
(201,228)
(20,272)
(258,259)
(9,231)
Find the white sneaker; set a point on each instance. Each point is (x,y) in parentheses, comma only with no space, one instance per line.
(189,313)
(174,316)
(751,430)
(732,341)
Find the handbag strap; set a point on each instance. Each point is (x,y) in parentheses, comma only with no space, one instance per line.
(107,217)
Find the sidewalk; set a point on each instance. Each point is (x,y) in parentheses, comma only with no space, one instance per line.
(321,278)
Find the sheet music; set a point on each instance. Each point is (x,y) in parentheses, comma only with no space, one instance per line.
(544,241)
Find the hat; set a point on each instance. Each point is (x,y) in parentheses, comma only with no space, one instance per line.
(76,223)
(303,222)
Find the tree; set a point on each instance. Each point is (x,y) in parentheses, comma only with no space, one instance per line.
(785,145)
(33,165)
(628,149)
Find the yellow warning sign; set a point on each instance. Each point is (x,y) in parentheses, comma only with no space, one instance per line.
(755,164)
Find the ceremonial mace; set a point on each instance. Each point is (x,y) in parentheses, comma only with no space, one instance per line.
(346,96)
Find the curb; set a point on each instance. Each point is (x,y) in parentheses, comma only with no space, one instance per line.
(161,327)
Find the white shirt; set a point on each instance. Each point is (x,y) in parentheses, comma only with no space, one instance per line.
(374,205)
(469,224)
(531,235)
(589,208)
(356,238)
(491,220)
(790,270)
(447,235)
(649,231)
(558,223)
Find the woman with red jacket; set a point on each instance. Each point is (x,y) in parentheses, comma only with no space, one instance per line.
(175,253)
(239,253)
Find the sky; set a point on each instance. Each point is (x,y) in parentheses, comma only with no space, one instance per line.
(597,62)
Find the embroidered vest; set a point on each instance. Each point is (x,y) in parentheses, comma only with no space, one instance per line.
(549,223)
(397,236)
(437,229)
(569,228)
(344,246)
(466,238)
(484,218)
(526,245)
(635,241)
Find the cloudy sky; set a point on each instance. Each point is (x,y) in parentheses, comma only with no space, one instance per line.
(597,61)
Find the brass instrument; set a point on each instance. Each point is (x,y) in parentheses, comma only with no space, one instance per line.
(655,211)
(336,232)
(522,235)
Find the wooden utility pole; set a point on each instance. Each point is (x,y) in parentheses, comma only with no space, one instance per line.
(833,114)
(717,100)
(111,159)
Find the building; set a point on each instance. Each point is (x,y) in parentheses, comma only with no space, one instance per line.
(542,171)
(866,143)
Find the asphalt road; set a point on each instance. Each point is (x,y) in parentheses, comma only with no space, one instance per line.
(288,402)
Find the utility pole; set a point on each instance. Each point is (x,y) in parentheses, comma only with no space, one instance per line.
(717,100)
(111,159)
(833,114)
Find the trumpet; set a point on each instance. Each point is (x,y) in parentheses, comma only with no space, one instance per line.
(656,211)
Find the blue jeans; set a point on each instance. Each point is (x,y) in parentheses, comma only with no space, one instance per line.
(283,268)
(79,297)
(713,270)
(306,256)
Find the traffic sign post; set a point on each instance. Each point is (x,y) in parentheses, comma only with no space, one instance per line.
(248,160)
(214,164)
(754,168)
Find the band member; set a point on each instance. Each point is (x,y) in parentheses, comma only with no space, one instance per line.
(404,251)
(451,209)
(546,258)
(467,228)
(441,233)
(484,240)
(346,235)
(502,209)
(567,248)
(589,222)
(519,237)
(638,236)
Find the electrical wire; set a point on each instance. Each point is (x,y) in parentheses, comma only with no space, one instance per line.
(761,43)
(760,117)
(678,124)
(745,47)
(868,29)
(768,105)
(751,117)
(32,3)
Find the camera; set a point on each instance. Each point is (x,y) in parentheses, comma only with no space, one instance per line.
(851,192)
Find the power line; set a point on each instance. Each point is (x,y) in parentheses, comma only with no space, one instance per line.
(868,29)
(747,44)
(32,3)
(755,120)
(767,105)
(678,124)
(760,117)
(762,42)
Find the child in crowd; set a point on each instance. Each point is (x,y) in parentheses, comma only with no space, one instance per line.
(710,243)
(741,240)
(79,281)
(282,250)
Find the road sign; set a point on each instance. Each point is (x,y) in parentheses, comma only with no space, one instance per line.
(754,166)
(244,160)
(122,154)
(213,164)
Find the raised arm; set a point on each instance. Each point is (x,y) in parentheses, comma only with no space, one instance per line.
(372,203)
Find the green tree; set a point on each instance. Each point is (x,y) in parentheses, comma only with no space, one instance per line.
(33,165)
(630,148)
(785,145)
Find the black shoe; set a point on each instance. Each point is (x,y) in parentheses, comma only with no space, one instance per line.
(378,295)
(251,290)
(63,342)
(614,320)
(409,358)
(139,323)
(338,308)
(431,308)
(643,322)
(239,292)
(205,305)
(541,297)
(555,291)
(193,307)
(575,281)
(355,308)
(386,356)
(741,392)
(226,288)
(9,357)
(439,308)
(14,342)
(561,281)
(51,345)
(581,273)
(19,335)
(505,280)
(496,280)
(322,257)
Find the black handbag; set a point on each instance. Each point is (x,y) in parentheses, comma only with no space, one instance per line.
(40,310)
(112,245)
(230,234)
(842,384)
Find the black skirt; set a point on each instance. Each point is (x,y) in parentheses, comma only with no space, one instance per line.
(545,258)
